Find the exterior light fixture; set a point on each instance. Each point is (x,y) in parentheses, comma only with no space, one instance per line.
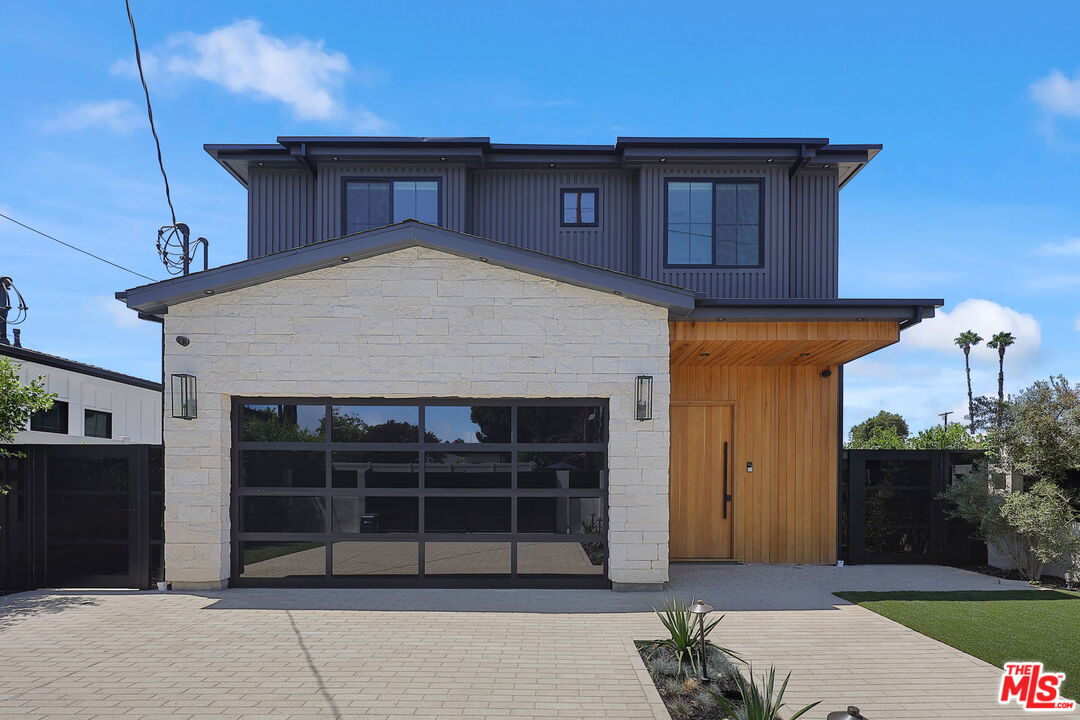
(183,340)
(345,258)
(643,398)
(208,292)
(184,402)
(852,713)
(700,610)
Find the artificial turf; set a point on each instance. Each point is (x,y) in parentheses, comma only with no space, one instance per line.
(996,626)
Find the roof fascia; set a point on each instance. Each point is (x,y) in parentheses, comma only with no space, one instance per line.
(154,299)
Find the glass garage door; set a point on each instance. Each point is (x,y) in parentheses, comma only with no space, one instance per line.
(448,493)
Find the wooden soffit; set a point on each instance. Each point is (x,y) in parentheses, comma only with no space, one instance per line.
(812,343)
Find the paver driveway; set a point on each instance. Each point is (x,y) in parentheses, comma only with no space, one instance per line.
(470,654)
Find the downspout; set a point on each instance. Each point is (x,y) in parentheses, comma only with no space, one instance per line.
(840,525)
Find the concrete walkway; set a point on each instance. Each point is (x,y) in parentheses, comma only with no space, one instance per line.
(471,654)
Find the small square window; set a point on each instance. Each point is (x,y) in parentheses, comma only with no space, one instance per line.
(97,423)
(54,420)
(579,207)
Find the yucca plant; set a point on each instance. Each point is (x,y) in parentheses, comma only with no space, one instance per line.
(759,702)
(684,635)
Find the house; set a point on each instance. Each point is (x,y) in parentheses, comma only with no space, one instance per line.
(93,406)
(83,500)
(452,362)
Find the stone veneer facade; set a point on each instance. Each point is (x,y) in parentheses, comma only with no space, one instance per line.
(415,323)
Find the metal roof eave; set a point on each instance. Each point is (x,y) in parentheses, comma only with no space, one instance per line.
(907,312)
(155,299)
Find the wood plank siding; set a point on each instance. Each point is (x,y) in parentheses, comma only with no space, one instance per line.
(786,423)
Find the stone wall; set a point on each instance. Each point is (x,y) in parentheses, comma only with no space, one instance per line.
(415,323)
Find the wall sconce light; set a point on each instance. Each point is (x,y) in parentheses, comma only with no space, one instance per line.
(184,403)
(643,398)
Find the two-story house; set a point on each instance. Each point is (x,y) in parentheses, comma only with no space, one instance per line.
(452,362)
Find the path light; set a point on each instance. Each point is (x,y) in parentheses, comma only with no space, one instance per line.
(701,609)
(852,713)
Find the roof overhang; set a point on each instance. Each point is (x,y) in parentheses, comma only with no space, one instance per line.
(156,298)
(306,152)
(904,312)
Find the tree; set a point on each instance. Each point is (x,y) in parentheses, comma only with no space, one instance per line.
(1043,518)
(952,437)
(965,341)
(887,427)
(1039,430)
(1032,528)
(998,342)
(17,403)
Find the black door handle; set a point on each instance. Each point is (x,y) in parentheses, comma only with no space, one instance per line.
(727,496)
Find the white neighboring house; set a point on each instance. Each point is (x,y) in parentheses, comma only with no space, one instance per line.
(93,405)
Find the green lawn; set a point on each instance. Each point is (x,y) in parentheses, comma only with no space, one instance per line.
(995,626)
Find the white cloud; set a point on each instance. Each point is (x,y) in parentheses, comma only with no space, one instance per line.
(1056,94)
(984,317)
(1067,248)
(115,115)
(299,73)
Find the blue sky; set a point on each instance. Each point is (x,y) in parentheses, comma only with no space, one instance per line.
(974,199)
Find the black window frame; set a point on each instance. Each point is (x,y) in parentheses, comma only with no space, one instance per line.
(714,181)
(391,179)
(108,423)
(57,406)
(328,537)
(563,192)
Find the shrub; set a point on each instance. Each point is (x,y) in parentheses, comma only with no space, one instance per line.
(1032,528)
(684,633)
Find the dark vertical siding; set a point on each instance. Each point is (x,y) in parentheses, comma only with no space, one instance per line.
(769,281)
(328,211)
(279,210)
(521,207)
(814,235)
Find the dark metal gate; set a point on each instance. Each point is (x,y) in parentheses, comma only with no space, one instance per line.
(82,516)
(893,511)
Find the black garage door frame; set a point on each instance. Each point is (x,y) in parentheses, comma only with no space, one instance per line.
(595,541)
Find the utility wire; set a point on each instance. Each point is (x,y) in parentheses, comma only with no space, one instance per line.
(149,109)
(84,252)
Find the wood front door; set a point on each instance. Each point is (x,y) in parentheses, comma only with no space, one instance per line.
(701,477)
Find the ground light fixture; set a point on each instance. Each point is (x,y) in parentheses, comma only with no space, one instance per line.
(852,713)
(184,397)
(643,397)
(700,610)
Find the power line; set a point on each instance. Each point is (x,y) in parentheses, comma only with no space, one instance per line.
(150,110)
(84,252)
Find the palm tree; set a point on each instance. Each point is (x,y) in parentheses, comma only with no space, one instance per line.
(965,341)
(999,342)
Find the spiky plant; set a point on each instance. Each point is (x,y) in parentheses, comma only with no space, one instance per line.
(965,341)
(759,702)
(684,633)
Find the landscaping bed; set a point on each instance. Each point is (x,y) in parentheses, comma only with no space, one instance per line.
(677,667)
(684,695)
(996,626)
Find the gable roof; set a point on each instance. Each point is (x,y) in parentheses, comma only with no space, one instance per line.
(154,299)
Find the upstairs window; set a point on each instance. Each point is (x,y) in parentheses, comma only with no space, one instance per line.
(714,223)
(54,420)
(579,207)
(375,203)
(97,423)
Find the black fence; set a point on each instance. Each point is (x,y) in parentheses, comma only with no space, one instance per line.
(82,516)
(890,511)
